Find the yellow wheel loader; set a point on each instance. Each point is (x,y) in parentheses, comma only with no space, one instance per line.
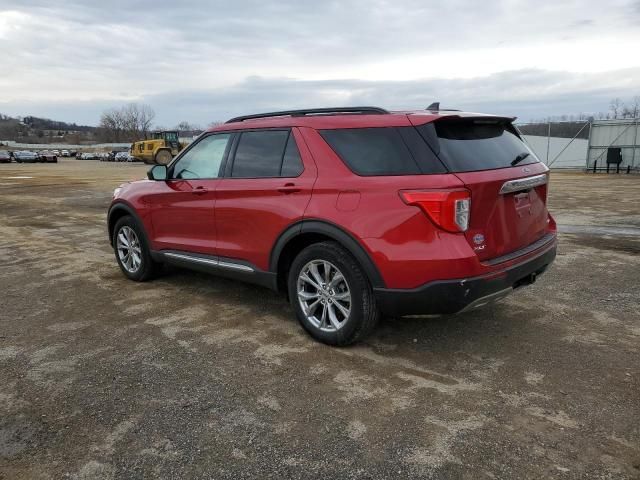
(160,150)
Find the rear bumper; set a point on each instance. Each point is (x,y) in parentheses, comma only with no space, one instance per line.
(452,296)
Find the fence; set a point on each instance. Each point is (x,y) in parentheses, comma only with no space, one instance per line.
(580,145)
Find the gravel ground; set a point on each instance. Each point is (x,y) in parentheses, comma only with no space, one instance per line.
(192,376)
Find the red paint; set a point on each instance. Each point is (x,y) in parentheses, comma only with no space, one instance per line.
(252,212)
(243,218)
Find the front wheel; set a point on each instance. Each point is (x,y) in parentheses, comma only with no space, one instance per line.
(331,294)
(132,252)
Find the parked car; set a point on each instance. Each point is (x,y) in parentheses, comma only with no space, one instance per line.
(123,157)
(353,213)
(5,156)
(64,153)
(25,156)
(78,155)
(48,157)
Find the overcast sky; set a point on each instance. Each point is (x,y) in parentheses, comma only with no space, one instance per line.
(203,61)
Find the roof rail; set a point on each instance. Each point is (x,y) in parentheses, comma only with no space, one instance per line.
(312,111)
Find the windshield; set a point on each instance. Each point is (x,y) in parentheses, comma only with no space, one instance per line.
(466,145)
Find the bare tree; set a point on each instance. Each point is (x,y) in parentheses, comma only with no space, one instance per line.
(131,122)
(146,115)
(185,126)
(635,106)
(113,124)
(616,107)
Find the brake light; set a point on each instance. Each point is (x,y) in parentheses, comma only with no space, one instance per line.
(448,209)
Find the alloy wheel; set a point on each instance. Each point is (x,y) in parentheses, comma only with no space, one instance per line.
(324,295)
(129,249)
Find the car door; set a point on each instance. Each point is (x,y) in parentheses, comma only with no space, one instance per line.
(267,187)
(182,213)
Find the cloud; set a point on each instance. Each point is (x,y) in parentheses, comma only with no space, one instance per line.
(527,94)
(211,59)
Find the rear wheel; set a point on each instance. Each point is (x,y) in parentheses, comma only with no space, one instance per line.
(331,295)
(132,252)
(163,157)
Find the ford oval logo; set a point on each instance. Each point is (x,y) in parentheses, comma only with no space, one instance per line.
(478,238)
(526,170)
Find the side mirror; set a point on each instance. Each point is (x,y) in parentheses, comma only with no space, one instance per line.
(158,172)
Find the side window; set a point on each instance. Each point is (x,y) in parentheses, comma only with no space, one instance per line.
(203,160)
(372,151)
(291,162)
(383,151)
(259,154)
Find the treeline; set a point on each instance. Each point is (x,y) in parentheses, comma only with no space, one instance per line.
(561,129)
(617,109)
(128,123)
(38,123)
(43,130)
(11,128)
(569,126)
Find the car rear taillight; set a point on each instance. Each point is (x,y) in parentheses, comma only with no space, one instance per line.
(448,209)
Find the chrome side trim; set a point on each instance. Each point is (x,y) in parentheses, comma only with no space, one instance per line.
(209,261)
(523,183)
(189,258)
(235,266)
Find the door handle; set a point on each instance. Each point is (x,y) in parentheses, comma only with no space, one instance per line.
(199,191)
(289,188)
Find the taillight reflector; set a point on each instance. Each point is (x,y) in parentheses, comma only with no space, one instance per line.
(448,209)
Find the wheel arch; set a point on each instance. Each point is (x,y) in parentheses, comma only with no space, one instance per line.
(306,232)
(119,210)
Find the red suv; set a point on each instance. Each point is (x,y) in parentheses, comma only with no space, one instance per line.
(353,213)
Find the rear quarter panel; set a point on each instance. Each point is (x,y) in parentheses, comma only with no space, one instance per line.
(405,245)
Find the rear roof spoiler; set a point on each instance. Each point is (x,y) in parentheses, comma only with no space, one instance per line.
(472,115)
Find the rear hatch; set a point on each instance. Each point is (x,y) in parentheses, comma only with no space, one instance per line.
(508,184)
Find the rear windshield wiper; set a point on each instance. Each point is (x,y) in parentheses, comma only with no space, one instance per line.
(519,158)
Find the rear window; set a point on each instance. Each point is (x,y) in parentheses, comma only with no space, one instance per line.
(476,144)
(383,151)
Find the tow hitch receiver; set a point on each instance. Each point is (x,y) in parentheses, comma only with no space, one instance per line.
(528,280)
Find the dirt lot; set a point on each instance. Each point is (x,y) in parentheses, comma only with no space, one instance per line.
(192,376)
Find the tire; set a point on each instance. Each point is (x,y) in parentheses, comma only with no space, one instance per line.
(163,157)
(341,329)
(147,268)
